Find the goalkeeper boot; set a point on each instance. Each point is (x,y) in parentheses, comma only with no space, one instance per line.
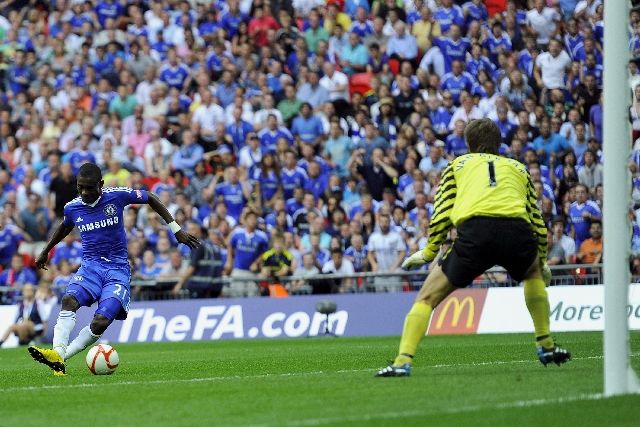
(555,355)
(48,357)
(395,371)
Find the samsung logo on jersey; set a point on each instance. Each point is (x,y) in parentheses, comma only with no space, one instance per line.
(98,224)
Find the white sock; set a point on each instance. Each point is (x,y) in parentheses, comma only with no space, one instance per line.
(84,339)
(64,325)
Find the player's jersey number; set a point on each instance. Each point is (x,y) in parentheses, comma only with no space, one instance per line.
(492,174)
(120,289)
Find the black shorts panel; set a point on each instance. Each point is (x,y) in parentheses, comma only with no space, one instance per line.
(484,242)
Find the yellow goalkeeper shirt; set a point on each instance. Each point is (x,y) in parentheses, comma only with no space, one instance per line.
(487,185)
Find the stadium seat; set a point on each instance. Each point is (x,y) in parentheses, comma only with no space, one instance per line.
(276,290)
(394,66)
(150,181)
(360,83)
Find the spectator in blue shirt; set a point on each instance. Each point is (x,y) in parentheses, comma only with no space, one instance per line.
(292,176)
(108,9)
(19,74)
(245,248)
(457,81)
(270,134)
(231,20)
(69,250)
(10,238)
(449,14)
(317,181)
(226,90)
(497,41)
(232,193)
(453,48)
(503,123)
(440,116)
(149,269)
(362,26)
(16,276)
(238,129)
(80,155)
(312,91)
(549,146)
(357,253)
(188,155)
(590,67)
(403,45)
(174,74)
(354,55)
(306,127)
(572,37)
(338,148)
(474,10)
(479,62)
(455,145)
(581,212)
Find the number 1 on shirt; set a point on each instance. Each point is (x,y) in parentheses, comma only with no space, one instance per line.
(492,174)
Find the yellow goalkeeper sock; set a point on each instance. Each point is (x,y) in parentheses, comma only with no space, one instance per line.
(415,326)
(535,295)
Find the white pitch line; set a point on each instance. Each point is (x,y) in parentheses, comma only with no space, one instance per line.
(449,411)
(258,376)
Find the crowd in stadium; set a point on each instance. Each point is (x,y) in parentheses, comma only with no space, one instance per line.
(293,137)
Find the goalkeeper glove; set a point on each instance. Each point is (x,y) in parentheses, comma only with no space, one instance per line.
(415,260)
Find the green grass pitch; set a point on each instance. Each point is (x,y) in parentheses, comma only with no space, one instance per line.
(457,380)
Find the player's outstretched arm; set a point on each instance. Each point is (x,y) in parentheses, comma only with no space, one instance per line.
(181,235)
(61,232)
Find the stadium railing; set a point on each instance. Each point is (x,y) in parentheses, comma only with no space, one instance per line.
(397,281)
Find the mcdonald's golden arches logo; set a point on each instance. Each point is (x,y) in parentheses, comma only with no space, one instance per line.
(459,313)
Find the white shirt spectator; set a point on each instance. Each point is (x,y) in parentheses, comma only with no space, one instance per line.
(166,149)
(487,105)
(427,164)
(511,116)
(345,268)
(209,116)
(589,10)
(143,91)
(543,23)
(303,7)
(247,113)
(462,114)
(553,69)
(386,248)
(337,85)
(153,111)
(568,246)
(568,130)
(260,117)
(248,158)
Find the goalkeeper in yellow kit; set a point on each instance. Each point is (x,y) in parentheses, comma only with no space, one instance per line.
(492,203)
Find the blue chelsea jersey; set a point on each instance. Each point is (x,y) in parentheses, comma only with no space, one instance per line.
(101,225)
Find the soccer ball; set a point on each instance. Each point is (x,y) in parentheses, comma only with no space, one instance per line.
(102,359)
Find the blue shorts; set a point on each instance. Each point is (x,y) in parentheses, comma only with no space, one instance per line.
(96,281)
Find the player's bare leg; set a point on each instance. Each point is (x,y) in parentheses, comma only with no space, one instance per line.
(54,358)
(537,300)
(435,289)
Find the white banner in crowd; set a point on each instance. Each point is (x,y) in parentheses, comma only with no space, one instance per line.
(573,308)
(466,311)
(8,315)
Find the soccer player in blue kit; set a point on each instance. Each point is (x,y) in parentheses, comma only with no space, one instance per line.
(104,275)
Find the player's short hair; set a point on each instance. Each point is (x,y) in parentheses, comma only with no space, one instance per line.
(483,136)
(90,171)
